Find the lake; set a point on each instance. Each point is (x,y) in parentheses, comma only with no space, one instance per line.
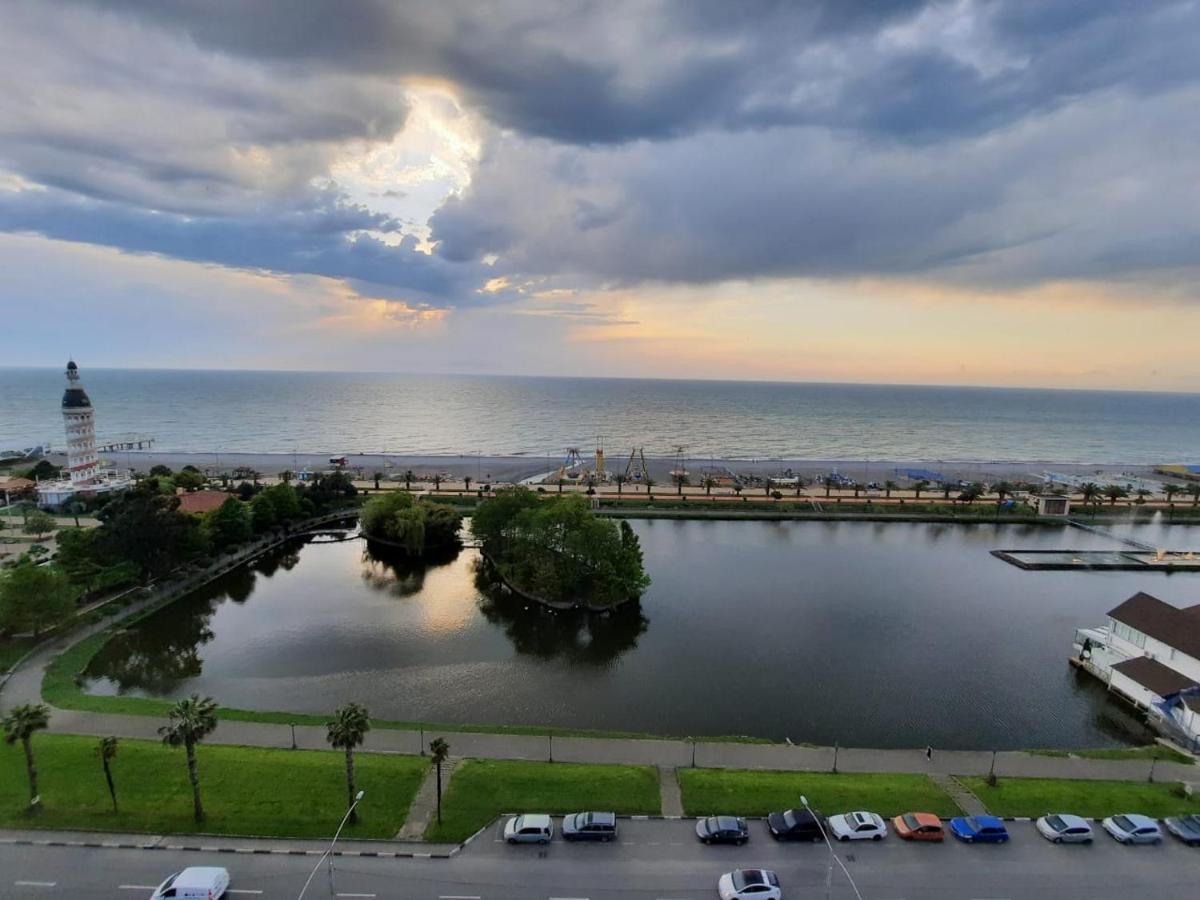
(866,634)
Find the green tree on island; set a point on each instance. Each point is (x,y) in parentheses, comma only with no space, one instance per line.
(107,751)
(557,549)
(345,731)
(34,598)
(189,722)
(21,723)
(417,525)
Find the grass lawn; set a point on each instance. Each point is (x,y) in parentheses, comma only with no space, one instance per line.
(484,788)
(1150,751)
(249,791)
(756,793)
(1037,796)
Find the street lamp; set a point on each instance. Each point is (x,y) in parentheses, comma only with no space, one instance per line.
(328,854)
(833,857)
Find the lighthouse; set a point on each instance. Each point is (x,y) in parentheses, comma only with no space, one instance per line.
(79,421)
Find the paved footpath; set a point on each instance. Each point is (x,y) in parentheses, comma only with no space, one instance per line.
(25,686)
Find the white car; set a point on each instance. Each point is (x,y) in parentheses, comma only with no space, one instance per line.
(195,883)
(1130,828)
(857,826)
(749,884)
(529,829)
(1061,828)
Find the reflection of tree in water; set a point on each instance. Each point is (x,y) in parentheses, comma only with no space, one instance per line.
(283,557)
(391,570)
(577,636)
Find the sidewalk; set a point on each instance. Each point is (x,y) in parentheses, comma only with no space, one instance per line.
(25,686)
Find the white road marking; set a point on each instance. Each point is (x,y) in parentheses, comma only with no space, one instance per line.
(35,883)
(241,891)
(137,887)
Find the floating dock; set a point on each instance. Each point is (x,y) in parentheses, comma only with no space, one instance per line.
(1111,560)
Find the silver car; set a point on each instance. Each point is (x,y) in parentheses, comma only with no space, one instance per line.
(1063,828)
(1130,828)
(529,829)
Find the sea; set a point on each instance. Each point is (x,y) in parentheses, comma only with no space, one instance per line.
(287,412)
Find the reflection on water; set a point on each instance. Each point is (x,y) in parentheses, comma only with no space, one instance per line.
(867,634)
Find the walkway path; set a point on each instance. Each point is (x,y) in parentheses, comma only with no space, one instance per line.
(424,804)
(963,798)
(668,791)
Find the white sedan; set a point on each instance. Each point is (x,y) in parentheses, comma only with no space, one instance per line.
(1130,828)
(1061,828)
(857,826)
(749,884)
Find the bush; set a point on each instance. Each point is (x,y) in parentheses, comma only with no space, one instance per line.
(416,525)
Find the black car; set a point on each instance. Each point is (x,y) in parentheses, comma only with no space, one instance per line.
(722,830)
(590,826)
(1186,828)
(794,825)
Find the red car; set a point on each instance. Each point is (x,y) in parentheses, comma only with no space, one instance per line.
(915,826)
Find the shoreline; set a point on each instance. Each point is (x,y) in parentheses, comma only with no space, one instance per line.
(483,468)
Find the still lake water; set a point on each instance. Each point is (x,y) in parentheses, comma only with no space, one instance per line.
(286,412)
(869,634)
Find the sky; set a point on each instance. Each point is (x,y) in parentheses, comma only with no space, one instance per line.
(963,192)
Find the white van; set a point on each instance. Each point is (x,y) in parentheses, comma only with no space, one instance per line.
(195,883)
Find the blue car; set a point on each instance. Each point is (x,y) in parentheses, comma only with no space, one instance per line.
(979,829)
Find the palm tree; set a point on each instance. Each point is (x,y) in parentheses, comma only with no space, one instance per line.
(918,487)
(467,483)
(437,482)
(828,487)
(888,487)
(1170,490)
(438,751)
(946,489)
(1002,489)
(649,485)
(1142,494)
(737,489)
(709,484)
(1090,492)
(408,479)
(857,489)
(107,751)
(680,480)
(20,725)
(1114,492)
(188,723)
(1194,490)
(377,476)
(767,487)
(800,483)
(561,482)
(971,492)
(346,731)
(620,480)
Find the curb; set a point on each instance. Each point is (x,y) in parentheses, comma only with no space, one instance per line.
(206,848)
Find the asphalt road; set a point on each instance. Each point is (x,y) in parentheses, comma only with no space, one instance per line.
(652,861)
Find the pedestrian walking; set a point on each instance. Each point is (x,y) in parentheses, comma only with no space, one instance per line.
(928,753)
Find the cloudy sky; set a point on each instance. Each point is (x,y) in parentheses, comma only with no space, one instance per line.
(963,192)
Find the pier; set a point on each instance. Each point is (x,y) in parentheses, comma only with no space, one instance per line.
(127,442)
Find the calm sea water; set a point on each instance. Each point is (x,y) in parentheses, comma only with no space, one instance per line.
(897,634)
(308,411)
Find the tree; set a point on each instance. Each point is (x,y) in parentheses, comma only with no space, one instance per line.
(1091,493)
(680,480)
(437,482)
(737,489)
(438,751)
(73,508)
(649,485)
(857,486)
(919,486)
(1170,490)
(107,751)
(1114,492)
(408,479)
(888,487)
(20,725)
(1142,494)
(263,515)
(189,479)
(767,487)
(284,500)
(345,731)
(620,479)
(189,722)
(416,524)
(376,476)
(561,482)
(828,487)
(148,530)
(1002,489)
(709,484)
(1194,490)
(33,598)
(160,469)
(467,483)
(229,524)
(971,492)
(800,483)
(39,522)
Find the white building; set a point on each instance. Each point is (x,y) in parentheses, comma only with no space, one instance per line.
(84,475)
(1149,653)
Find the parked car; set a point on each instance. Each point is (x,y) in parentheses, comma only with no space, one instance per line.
(979,829)
(916,826)
(1062,828)
(749,884)
(529,829)
(194,883)
(794,825)
(857,826)
(1131,828)
(722,830)
(590,826)
(1186,828)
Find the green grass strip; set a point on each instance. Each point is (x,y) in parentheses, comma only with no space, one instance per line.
(245,790)
(483,789)
(1038,796)
(756,793)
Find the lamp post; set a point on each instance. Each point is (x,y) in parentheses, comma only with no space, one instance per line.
(833,857)
(328,854)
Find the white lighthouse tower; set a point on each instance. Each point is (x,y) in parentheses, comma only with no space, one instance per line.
(78,418)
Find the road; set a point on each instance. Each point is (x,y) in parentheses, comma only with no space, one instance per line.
(653,860)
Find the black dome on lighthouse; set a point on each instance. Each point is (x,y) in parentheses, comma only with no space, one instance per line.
(74,397)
